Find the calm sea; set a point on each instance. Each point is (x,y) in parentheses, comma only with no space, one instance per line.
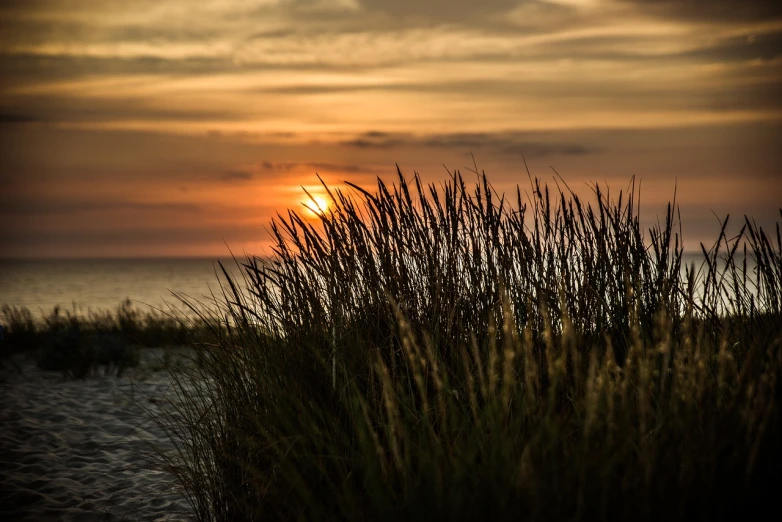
(102,284)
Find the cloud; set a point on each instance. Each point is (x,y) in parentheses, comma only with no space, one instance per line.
(237,175)
(72,106)
(49,207)
(11,117)
(111,101)
(439,10)
(508,143)
(378,140)
(726,11)
(113,235)
(341,168)
(766,46)
(25,68)
(312,167)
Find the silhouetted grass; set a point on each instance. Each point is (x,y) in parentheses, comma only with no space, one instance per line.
(77,344)
(444,353)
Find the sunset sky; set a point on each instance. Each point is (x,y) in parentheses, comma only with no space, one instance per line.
(172,127)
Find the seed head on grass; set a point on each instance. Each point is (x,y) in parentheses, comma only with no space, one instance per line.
(437,352)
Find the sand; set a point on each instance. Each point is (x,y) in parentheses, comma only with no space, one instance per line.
(79,449)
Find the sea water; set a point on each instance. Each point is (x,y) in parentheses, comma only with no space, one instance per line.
(82,285)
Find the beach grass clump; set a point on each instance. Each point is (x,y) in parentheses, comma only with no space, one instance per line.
(19,330)
(445,353)
(79,344)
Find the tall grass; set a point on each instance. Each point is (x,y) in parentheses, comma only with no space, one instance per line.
(449,353)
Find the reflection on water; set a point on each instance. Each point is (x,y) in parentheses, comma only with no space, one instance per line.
(101,284)
(696,260)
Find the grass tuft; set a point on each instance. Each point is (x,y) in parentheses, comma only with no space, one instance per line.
(77,345)
(450,353)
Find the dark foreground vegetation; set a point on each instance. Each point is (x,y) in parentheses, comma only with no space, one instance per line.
(78,344)
(445,353)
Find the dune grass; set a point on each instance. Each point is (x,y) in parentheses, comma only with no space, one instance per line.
(78,344)
(447,353)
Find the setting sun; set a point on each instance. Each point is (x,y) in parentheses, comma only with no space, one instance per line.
(316,206)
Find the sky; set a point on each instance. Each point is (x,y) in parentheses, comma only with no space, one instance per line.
(179,128)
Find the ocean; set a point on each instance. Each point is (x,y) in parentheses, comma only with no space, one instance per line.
(102,284)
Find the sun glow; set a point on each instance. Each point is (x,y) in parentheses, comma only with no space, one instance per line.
(316,206)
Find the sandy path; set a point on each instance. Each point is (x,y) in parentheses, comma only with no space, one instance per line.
(78,449)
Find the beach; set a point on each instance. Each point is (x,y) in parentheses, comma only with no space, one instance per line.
(82,449)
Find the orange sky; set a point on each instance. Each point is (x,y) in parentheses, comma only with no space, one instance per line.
(172,127)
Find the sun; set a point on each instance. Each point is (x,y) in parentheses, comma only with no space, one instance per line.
(316,206)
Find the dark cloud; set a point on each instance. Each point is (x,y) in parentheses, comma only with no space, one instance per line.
(760,96)
(741,48)
(292,166)
(20,68)
(508,143)
(272,34)
(26,68)
(237,175)
(386,14)
(41,207)
(379,140)
(113,235)
(12,117)
(752,94)
(728,11)
(634,49)
(102,156)
(65,109)
(340,168)
(460,10)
